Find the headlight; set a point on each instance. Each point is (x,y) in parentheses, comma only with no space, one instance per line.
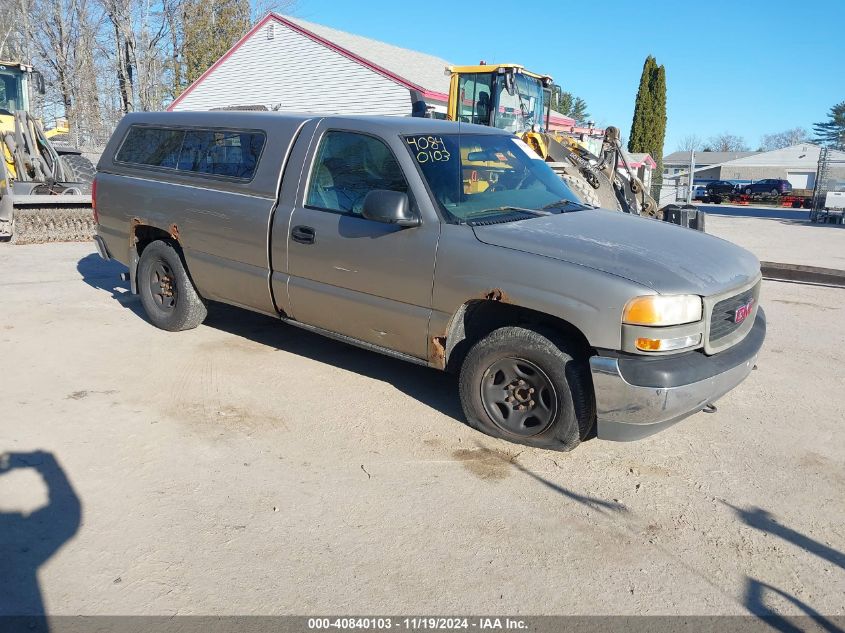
(663,310)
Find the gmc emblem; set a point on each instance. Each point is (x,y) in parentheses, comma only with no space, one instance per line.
(743,311)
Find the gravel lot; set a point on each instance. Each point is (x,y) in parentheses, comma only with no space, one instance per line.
(247,467)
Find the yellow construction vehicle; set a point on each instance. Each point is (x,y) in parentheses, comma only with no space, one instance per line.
(45,187)
(509,97)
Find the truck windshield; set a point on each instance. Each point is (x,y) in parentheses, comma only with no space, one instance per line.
(488,177)
(519,111)
(10,91)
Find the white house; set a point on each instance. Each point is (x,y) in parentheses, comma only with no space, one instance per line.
(291,65)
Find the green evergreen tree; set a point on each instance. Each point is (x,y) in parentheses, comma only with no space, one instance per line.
(832,132)
(569,105)
(210,28)
(648,128)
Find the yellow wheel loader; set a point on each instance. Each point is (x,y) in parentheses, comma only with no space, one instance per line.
(509,97)
(45,187)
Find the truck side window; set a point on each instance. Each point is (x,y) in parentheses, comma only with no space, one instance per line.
(347,168)
(204,152)
(156,147)
(219,153)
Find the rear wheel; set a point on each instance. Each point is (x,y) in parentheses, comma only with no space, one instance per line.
(167,293)
(525,386)
(78,169)
(775,192)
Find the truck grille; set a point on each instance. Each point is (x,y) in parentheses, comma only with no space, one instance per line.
(722,320)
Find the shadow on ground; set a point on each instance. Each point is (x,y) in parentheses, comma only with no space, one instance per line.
(27,541)
(434,388)
(105,275)
(756,591)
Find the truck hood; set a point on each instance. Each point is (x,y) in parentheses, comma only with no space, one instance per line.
(665,257)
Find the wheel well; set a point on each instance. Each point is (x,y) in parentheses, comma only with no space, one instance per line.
(476,319)
(145,235)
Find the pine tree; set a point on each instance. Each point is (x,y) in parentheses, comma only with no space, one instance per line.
(210,28)
(832,133)
(648,128)
(569,105)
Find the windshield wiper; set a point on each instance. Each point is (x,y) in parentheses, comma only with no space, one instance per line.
(565,202)
(535,212)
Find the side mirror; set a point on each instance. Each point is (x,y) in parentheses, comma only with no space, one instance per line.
(390,207)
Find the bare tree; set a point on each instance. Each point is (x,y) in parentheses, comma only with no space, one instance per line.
(104,58)
(726,143)
(691,142)
(786,138)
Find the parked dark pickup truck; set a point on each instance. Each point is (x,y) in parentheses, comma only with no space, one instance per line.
(444,244)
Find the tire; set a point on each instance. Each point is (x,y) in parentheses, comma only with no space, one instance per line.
(581,188)
(563,409)
(168,295)
(748,192)
(78,169)
(775,192)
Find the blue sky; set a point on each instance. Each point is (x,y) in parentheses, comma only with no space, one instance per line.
(747,67)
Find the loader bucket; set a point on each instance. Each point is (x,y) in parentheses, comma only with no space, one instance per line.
(40,219)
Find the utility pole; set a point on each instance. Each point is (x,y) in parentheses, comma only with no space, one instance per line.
(690,177)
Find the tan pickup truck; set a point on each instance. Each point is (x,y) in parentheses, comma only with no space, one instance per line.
(444,244)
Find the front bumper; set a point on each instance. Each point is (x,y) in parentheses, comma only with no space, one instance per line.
(639,396)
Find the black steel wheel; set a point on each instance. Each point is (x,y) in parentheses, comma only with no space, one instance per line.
(167,293)
(530,386)
(518,396)
(162,286)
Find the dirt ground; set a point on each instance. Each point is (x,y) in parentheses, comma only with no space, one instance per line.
(247,467)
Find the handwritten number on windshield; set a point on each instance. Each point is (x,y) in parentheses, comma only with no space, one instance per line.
(429,149)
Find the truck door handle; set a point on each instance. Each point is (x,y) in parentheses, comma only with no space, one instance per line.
(303,234)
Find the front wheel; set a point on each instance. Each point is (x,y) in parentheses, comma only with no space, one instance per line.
(526,386)
(167,292)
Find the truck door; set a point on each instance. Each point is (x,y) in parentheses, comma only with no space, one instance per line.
(353,276)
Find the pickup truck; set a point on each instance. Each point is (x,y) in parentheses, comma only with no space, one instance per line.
(444,244)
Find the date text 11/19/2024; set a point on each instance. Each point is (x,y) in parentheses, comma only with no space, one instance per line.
(417,623)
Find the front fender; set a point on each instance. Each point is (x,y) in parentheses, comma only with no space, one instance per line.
(468,270)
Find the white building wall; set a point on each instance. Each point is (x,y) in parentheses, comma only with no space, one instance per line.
(300,75)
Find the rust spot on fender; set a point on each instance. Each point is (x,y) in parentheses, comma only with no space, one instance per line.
(437,351)
(133,224)
(496,294)
(174,231)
